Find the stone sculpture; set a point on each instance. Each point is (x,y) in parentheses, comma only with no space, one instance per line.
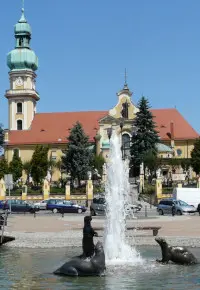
(178,255)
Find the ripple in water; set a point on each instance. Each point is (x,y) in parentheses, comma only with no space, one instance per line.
(117,251)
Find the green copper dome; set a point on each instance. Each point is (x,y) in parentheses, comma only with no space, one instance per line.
(22,57)
(106,144)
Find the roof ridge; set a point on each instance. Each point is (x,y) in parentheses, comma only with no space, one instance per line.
(71,112)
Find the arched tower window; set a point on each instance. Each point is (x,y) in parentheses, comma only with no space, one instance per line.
(19,124)
(19,108)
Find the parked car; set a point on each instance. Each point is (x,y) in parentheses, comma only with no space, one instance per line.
(41,204)
(64,206)
(20,206)
(180,207)
(98,206)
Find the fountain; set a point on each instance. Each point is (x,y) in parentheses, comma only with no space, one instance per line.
(117,251)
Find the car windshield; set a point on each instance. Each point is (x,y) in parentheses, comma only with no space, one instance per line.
(183,203)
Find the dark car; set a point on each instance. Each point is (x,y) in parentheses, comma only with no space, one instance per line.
(20,206)
(64,206)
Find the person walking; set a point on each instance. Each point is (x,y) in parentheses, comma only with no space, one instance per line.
(173,209)
(198,208)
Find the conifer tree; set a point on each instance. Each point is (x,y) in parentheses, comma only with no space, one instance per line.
(3,167)
(78,157)
(39,164)
(146,136)
(195,156)
(15,166)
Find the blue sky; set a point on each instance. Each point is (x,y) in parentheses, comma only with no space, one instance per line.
(84,47)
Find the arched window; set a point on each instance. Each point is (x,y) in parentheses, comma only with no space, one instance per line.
(126,140)
(125,145)
(19,124)
(19,108)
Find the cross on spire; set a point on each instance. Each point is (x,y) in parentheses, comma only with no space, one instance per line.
(22,5)
(125,81)
(125,78)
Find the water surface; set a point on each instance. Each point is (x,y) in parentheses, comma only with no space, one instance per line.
(32,269)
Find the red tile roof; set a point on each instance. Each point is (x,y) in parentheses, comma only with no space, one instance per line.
(182,129)
(53,128)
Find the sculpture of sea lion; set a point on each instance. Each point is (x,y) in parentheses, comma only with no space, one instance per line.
(178,255)
(81,266)
(88,234)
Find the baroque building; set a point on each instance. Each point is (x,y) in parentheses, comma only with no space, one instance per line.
(28,128)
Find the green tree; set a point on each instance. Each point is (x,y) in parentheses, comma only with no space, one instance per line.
(151,161)
(146,136)
(27,168)
(3,167)
(98,162)
(78,156)
(185,164)
(195,156)
(16,166)
(39,163)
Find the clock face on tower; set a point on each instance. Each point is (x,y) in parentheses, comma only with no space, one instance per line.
(19,82)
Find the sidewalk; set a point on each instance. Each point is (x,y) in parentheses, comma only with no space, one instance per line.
(170,226)
(49,231)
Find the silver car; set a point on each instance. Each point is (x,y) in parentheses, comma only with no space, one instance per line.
(179,206)
(98,206)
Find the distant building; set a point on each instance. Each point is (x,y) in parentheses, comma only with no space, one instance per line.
(28,128)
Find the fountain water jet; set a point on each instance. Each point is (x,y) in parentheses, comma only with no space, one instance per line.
(117,251)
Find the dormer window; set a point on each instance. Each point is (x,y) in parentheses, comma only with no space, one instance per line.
(19,108)
(19,125)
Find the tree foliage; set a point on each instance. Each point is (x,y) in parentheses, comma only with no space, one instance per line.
(3,167)
(39,164)
(78,157)
(27,168)
(98,162)
(16,166)
(151,161)
(195,156)
(146,136)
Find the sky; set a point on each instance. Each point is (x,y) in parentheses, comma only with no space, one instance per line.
(84,46)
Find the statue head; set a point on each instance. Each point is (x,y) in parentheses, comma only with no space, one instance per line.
(87,219)
(160,240)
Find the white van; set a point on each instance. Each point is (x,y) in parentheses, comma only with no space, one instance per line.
(189,195)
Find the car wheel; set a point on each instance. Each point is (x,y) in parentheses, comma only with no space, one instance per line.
(160,212)
(92,212)
(179,212)
(80,210)
(54,210)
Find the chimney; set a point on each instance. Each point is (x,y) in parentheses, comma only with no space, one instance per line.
(172,133)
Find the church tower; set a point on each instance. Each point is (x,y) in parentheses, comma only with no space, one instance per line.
(22,62)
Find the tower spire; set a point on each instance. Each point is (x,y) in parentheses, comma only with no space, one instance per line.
(22,19)
(125,80)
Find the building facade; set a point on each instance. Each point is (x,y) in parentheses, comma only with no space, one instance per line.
(27,128)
